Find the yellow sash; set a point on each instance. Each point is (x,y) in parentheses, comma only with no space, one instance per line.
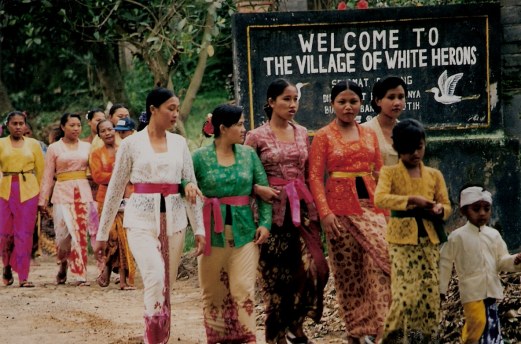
(72,175)
(341,174)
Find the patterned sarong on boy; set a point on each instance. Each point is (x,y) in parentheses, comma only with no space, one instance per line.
(481,323)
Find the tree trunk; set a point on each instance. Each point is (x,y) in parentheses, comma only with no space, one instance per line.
(159,68)
(5,102)
(197,77)
(109,74)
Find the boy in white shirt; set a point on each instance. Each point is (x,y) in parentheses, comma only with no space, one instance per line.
(479,254)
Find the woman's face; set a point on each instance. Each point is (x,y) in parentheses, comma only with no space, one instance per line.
(166,114)
(347,106)
(72,129)
(96,118)
(16,126)
(235,133)
(393,103)
(285,106)
(107,133)
(119,114)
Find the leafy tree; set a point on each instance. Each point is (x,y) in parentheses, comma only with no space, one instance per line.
(160,33)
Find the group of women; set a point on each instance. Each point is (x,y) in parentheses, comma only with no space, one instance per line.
(257,206)
(28,187)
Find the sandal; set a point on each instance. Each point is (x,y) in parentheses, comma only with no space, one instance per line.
(127,287)
(7,275)
(80,284)
(297,340)
(26,284)
(61,277)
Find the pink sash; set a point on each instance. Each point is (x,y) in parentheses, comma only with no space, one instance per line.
(149,188)
(213,205)
(296,190)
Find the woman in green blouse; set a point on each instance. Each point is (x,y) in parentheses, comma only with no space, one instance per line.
(226,172)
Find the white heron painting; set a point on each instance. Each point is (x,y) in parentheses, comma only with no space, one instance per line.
(444,93)
(299,87)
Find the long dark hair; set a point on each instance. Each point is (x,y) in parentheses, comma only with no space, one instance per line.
(275,89)
(155,98)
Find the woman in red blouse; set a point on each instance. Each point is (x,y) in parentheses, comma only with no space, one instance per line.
(348,154)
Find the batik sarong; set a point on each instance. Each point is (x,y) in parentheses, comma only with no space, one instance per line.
(294,274)
(360,265)
(227,278)
(154,256)
(481,323)
(72,222)
(415,307)
(118,254)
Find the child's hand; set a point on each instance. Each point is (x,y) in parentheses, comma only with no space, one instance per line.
(421,202)
(517,260)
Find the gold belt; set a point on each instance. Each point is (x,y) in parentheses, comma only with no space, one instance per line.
(341,174)
(72,175)
(16,173)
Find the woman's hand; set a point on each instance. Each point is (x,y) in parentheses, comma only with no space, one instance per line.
(331,225)
(266,193)
(99,249)
(200,243)
(191,192)
(261,235)
(43,210)
(420,202)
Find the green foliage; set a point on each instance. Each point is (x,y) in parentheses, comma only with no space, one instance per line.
(138,82)
(203,104)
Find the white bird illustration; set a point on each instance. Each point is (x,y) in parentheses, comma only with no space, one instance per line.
(299,86)
(445,93)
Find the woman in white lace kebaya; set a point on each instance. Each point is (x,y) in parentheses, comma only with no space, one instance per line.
(155,161)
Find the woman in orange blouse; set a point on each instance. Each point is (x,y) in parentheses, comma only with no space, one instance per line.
(118,257)
(350,156)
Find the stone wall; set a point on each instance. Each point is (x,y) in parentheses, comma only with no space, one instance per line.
(511,65)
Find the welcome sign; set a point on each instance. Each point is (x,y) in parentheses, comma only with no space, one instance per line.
(447,55)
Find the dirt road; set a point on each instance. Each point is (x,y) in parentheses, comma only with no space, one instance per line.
(52,314)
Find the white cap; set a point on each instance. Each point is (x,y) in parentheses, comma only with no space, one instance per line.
(474,194)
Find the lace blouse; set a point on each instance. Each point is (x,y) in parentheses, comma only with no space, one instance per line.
(286,160)
(137,162)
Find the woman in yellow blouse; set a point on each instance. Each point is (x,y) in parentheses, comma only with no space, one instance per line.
(21,162)
(418,199)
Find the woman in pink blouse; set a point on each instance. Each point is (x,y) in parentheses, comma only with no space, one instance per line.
(292,263)
(74,210)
